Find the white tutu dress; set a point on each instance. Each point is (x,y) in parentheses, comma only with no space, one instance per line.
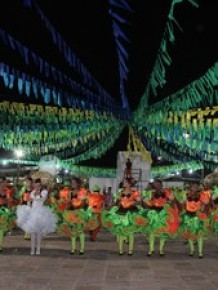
(35,217)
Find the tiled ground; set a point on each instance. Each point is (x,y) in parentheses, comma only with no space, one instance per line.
(101,268)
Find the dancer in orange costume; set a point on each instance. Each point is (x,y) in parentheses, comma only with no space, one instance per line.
(75,218)
(7,214)
(119,219)
(163,218)
(96,202)
(195,225)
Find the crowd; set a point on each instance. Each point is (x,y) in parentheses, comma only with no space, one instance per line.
(75,211)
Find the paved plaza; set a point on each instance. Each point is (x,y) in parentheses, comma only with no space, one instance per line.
(101,268)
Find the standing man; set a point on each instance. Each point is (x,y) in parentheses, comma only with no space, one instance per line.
(128,169)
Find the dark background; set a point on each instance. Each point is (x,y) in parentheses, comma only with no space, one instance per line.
(87,27)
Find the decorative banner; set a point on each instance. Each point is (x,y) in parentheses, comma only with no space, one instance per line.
(196,129)
(200,92)
(110,172)
(14,78)
(117,20)
(44,68)
(78,129)
(137,146)
(69,56)
(94,134)
(73,169)
(176,154)
(50,72)
(99,149)
(66,132)
(165,170)
(163,59)
(170,129)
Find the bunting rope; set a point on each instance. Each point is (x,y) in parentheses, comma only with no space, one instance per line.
(69,56)
(41,130)
(137,146)
(163,59)
(49,71)
(121,39)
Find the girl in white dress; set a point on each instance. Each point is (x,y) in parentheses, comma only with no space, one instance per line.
(35,218)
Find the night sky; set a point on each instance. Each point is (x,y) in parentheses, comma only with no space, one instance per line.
(86,26)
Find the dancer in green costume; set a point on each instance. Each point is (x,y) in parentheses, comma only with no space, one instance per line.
(120,218)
